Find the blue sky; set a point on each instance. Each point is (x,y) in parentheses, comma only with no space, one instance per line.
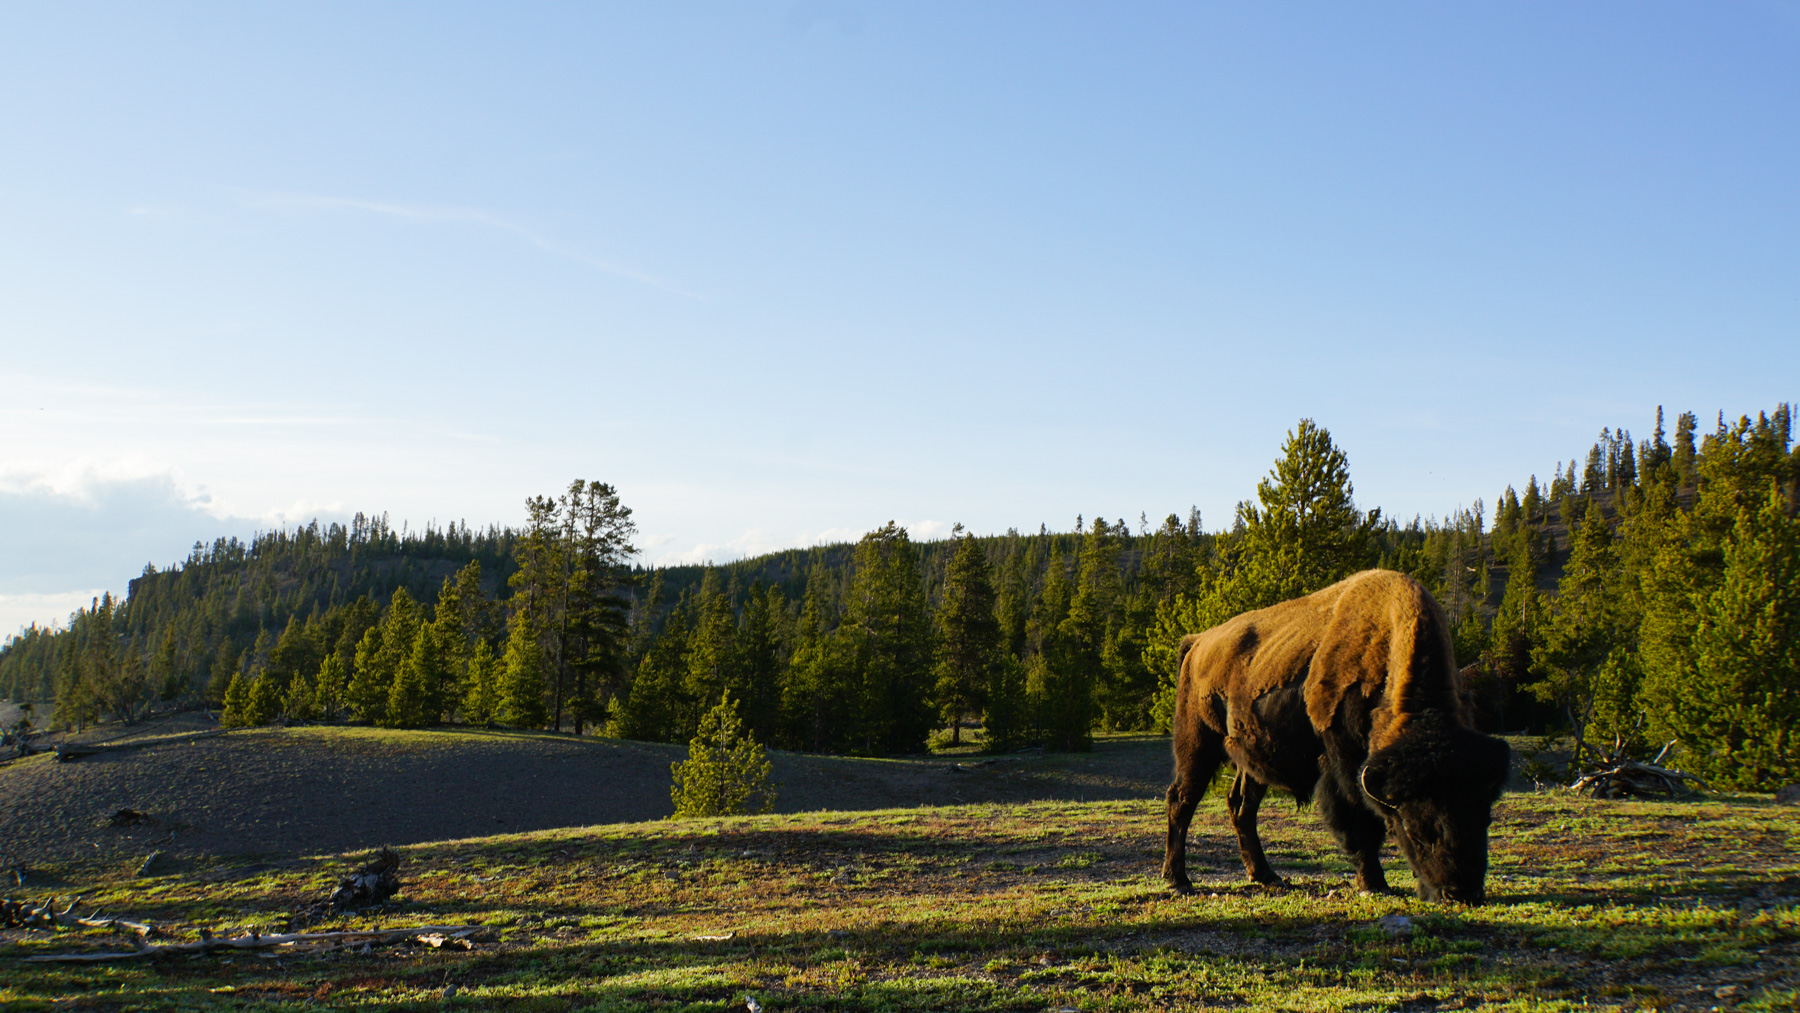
(782,272)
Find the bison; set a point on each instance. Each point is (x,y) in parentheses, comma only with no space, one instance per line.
(1349,694)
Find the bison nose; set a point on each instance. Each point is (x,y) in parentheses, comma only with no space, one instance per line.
(1473,896)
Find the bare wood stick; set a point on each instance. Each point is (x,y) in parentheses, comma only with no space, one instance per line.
(94,921)
(45,915)
(254,941)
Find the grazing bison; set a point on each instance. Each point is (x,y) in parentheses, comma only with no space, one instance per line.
(1349,694)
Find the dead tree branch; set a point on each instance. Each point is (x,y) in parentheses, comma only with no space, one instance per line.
(435,936)
(1618,777)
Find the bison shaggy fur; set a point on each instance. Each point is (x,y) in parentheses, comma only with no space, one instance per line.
(1349,695)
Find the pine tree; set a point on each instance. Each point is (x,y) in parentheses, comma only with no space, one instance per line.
(1060,687)
(1089,633)
(399,630)
(1307,532)
(1659,453)
(369,685)
(237,703)
(1734,702)
(1685,426)
(1588,656)
(598,530)
(726,772)
(524,686)
(412,699)
(291,655)
(224,669)
(264,703)
(170,682)
(298,703)
(887,632)
(1007,720)
(330,688)
(455,626)
(1515,621)
(760,661)
(482,696)
(712,650)
(968,653)
(818,700)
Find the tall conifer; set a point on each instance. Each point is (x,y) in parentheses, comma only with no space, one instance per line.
(968,652)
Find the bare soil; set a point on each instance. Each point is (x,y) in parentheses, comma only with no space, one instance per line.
(314,790)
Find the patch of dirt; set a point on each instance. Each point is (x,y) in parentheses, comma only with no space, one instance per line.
(325,790)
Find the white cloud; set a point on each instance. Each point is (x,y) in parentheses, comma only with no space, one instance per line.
(90,525)
(928,531)
(18,611)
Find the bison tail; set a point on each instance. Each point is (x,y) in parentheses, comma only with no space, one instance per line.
(1181,652)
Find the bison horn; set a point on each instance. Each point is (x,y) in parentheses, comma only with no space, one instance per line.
(1362,779)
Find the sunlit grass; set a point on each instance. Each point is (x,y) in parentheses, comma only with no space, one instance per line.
(1022,907)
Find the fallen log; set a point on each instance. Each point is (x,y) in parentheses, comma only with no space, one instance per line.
(1619,777)
(23,914)
(371,884)
(436,936)
(374,883)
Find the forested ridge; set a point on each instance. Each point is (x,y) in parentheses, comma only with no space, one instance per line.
(1644,594)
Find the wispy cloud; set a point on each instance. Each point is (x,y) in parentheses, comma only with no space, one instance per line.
(483,219)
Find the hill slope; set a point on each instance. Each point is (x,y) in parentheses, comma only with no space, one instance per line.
(311,790)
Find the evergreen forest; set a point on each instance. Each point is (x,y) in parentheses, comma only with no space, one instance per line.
(1646,593)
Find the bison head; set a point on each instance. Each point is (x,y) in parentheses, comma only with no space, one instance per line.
(1436,783)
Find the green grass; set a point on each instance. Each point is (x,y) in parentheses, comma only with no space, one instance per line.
(1028,907)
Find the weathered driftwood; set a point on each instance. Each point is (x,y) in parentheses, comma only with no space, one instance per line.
(436,936)
(17,741)
(66,752)
(371,884)
(1617,777)
(23,914)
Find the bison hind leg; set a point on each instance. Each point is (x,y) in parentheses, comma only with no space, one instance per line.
(1196,764)
(1244,801)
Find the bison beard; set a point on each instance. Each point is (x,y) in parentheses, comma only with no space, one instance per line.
(1349,695)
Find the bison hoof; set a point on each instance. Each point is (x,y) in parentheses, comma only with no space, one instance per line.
(1181,886)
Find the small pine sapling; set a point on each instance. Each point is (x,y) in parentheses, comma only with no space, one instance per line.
(726,772)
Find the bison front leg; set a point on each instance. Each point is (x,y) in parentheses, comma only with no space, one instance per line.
(1358,831)
(1245,798)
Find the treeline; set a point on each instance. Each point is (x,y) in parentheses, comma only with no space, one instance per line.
(181,633)
(1642,596)
(1039,638)
(1675,614)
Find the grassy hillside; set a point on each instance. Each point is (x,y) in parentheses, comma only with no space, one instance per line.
(1035,906)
